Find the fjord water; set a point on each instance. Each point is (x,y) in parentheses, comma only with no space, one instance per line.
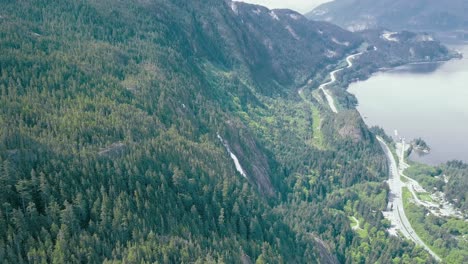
(422,100)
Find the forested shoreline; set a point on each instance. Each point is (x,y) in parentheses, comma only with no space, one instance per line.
(108,140)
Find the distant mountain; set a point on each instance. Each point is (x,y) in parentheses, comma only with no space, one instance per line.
(420,15)
(173,131)
(283,46)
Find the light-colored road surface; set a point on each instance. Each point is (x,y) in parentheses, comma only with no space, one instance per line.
(350,59)
(396,213)
(439,206)
(357,226)
(330,100)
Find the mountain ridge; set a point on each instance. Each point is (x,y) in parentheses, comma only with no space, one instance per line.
(421,15)
(110,113)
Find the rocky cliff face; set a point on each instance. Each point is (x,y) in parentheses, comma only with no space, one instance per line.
(290,48)
(273,52)
(110,112)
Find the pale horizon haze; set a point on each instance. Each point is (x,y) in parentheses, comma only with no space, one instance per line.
(301,6)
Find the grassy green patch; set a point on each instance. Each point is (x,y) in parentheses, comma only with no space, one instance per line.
(316,124)
(426,197)
(357,228)
(354,223)
(362,233)
(404,179)
(317,135)
(407,196)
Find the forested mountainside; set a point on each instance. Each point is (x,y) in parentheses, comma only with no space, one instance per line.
(425,15)
(116,118)
(450,178)
(443,231)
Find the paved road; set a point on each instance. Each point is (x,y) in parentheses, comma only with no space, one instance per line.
(397,214)
(350,59)
(330,100)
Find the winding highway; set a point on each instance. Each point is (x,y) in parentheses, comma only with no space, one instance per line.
(328,96)
(396,212)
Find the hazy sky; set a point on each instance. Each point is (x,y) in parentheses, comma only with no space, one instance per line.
(302,6)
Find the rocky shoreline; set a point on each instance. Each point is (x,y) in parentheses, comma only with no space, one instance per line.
(420,146)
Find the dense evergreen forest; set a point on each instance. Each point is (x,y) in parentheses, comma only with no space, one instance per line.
(109,116)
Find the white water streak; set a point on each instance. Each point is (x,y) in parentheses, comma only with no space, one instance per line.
(233,157)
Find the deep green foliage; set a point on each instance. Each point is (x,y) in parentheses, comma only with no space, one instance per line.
(445,236)
(433,178)
(457,186)
(109,115)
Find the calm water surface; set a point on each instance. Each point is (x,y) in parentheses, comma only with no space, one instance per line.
(426,100)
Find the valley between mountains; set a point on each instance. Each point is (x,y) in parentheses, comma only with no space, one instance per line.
(192,132)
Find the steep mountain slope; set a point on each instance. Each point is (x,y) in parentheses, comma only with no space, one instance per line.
(295,48)
(420,15)
(110,124)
